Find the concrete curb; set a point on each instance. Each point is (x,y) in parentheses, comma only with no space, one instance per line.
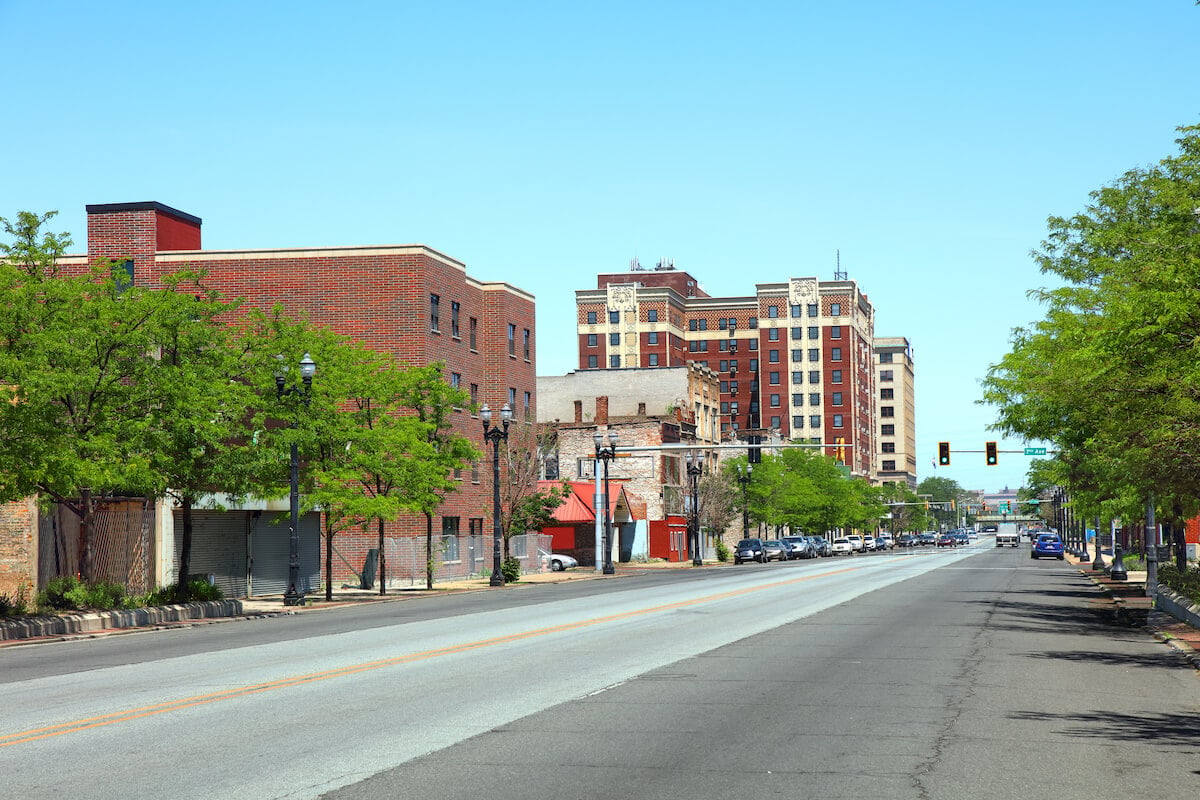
(1177,606)
(99,621)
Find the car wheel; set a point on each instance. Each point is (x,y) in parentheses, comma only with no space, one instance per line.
(1060,558)
(556,565)
(760,559)
(737,561)
(1033,555)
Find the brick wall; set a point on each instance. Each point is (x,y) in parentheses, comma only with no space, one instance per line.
(18,547)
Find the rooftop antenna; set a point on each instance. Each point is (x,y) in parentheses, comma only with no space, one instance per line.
(635,265)
(838,275)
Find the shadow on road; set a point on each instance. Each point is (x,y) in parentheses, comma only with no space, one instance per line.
(1179,730)
(1158,660)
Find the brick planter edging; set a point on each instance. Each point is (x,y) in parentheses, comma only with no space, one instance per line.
(69,624)
(1177,606)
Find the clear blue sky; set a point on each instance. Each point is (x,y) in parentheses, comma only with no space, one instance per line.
(544,143)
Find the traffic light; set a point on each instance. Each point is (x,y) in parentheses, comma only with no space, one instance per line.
(841,450)
(943,454)
(953,507)
(991,453)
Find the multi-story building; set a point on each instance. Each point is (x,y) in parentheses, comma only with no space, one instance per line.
(795,360)
(410,301)
(897,457)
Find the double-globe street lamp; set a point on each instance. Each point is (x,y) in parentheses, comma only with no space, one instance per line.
(695,468)
(743,478)
(308,368)
(495,436)
(604,455)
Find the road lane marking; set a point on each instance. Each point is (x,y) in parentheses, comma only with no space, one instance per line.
(60,729)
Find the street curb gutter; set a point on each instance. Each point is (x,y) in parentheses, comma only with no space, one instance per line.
(98,621)
(1177,606)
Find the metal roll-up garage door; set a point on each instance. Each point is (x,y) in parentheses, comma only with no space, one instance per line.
(218,548)
(269,547)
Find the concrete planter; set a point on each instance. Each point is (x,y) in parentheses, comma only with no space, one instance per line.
(1177,606)
(92,622)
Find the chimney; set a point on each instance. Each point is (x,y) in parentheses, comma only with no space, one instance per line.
(578,412)
(641,409)
(602,410)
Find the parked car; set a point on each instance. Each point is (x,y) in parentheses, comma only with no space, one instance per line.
(776,550)
(884,541)
(1047,544)
(947,540)
(868,544)
(557,562)
(928,537)
(799,547)
(906,540)
(824,548)
(749,550)
(842,547)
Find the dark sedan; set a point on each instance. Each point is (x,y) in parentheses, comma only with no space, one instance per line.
(947,540)
(749,550)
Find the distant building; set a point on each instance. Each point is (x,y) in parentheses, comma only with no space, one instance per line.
(897,456)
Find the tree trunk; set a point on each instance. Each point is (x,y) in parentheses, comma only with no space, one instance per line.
(428,550)
(185,550)
(382,561)
(328,561)
(85,540)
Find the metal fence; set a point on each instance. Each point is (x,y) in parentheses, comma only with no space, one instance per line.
(118,548)
(459,557)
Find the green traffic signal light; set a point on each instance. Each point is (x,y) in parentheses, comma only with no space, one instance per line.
(943,454)
(991,454)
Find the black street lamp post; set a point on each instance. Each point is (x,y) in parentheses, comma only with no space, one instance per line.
(695,468)
(605,454)
(495,436)
(743,478)
(308,368)
(1098,564)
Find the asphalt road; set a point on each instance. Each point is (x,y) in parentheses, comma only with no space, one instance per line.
(964,674)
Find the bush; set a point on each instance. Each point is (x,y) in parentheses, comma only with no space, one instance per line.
(1186,583)
(15,605)
(722,551)
(511,570)
(198,591)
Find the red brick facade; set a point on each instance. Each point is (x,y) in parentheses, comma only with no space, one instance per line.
(18,548)
(380,296)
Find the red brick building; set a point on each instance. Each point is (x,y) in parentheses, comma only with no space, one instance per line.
(409,300)
(795,359)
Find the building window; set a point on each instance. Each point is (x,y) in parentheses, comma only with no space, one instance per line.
(652,315)
(772,356)
(797,377)
(796,333)
(473,331)
(837,399)
(835,354)
(753,322)
(512,397)
(592,340)
(724,387)
(614,339)
(798,399)
(812,309)
(814,421)
(754,365)
(795,312)
(885,375)
(455,380)
(814,354)
(723,345)
(454,309)
(652,337)
(837,420)
(887,430)
(733,408)
(797,356)
(773,312)
(887,394)
(885,358)
(773,335)
(654,359)
(593,362)
(773,378)
(887,411)
(512,339)
(733,366)
(835,309)
(888,447)
(691,324)
(526,340)
(837,376)
(814,399)
(614,361)
(474,395)
(528,405)
(776,422)
(797,421)
(814,376)
(614,317)
(776,403)
(835,331)
(450,539)
(724,408)
(753,344)
(889,466)
(591,318)
(814,332)
(435,304)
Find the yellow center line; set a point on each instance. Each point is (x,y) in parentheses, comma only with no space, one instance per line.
(7,740)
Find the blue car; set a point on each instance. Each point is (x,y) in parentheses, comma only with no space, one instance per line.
(1047,544)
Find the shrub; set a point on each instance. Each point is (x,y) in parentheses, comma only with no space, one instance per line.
(722,551)
(15,605)
(198,591)
(511,569)
(1186,583)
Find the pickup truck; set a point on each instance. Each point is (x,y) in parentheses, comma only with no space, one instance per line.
(1008,538)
